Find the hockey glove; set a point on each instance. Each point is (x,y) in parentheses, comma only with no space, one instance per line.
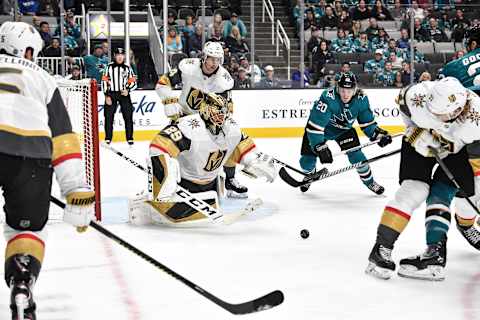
(383,137)
(260,165)
(80,208)
(173,110)
(422,141)
(322,151)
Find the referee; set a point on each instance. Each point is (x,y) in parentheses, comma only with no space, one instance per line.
(117,81)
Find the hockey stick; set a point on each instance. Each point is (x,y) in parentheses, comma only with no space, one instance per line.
(320,175)
(335,155)
(452,178)
(266,302)
(210,212)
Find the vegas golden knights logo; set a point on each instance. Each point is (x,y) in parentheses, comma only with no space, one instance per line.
(195,98)
(215,160)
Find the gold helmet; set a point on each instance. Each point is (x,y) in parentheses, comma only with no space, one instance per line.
(214,111)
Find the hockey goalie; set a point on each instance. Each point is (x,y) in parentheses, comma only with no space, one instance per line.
(190,153)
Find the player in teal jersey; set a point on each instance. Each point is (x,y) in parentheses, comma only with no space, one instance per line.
(331,118)
(467,68)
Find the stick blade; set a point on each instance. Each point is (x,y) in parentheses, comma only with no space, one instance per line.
(266,302)
(288,178)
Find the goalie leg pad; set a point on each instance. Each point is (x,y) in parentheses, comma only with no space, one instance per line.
(164,176)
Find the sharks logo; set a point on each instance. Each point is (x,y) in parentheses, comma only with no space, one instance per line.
(343,120)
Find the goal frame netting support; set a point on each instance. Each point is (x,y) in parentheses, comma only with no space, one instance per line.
(89,137)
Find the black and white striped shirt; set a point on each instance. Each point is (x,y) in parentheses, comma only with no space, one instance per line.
(118,77)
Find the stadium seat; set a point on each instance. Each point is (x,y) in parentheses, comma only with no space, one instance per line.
(176,58)
(444,47)
(459,46)
(448,56)
(183,13)
(365,79)
(184,4)
(388,25)
(394,34)
(329,34)
(208,12)
(421,67)
(433,69)
(364,57)
(435,57)
(347,57)
(425,47)
(356,68)
(332,67)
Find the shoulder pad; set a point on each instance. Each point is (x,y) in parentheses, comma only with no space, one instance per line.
(189,65)
(191,124)
(227,81)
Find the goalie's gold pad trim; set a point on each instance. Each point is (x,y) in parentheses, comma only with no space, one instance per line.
(245,145)
(475,163)
(165,145)
(164,81)
(65,147)
(464,222)
(157,185)
(164,207)
(170,100)
(82,198)
(25,243)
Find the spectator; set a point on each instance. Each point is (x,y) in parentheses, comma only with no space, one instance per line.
(361,12)
(217,23)
(386,77)
(252,70)
(174,42)
(73,28)
(133,61)
(105,50)
(398,11)
(234,21)
(380,12)
(381,41)
(459,26)
(404,41)
(434,33)
(392,47)
(235,43)
(406,74)
(338,8)
(362,44)
(425,76)
(319,10)
(418,12)
(187,30)
(96,63)
(53,50)
(29,7)
(419,57)
(356,29)
(329,20)
(310,22)
(444,21)
(233,66)
(342,43)
(36,21)
(242,81)
(395,60)
(71,45)
(45,33)
(269,81)
(457,55)
(374,66)
(344,22)
(373,29)
(171,22)
(75,73)
(315,39)
(419,32)
(320,57)
(217,35)
(344,69)
(398,80)
(329,80)
(195,42)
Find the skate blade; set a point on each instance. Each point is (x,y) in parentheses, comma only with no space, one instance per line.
(21,301)
(431,273)
(377,272)
(234,195)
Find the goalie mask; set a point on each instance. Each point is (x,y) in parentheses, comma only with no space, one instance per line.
(214,111)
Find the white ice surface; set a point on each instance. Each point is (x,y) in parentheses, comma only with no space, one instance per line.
(86,276)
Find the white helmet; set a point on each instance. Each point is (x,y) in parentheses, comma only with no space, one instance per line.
(213,49)
(16,37)
(447,98)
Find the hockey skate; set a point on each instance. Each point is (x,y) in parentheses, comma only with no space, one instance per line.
(21,301)
(376,188)
(380,263)
(305,188)
(471,234)
(429,265)
(235,189)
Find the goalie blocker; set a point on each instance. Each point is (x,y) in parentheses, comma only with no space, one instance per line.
(191,153)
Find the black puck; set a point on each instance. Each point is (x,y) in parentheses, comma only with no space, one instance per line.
(304,233)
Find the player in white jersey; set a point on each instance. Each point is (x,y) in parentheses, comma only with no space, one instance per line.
(445,116)
(36,136)
(190,152)
(198,77)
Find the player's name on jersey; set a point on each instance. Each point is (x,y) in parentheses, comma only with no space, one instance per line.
(22,62)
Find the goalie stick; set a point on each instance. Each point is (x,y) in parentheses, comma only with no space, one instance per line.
(320,175)
(335,155)
(210,212)
(266,302)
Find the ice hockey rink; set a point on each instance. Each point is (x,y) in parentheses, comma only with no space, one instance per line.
(87,276)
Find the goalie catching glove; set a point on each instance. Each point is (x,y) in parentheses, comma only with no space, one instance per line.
(259,165)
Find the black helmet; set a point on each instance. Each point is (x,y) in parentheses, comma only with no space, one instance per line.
(119,51)
(347,80)
(473,34)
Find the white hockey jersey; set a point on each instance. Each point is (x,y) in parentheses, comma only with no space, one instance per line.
(195,84)
(453,135)
(200,154)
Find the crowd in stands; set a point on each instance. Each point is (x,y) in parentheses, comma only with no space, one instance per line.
(358,25)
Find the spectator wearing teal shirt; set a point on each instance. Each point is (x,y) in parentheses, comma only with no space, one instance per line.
(374,66)
(387,76)
(234,21)
(342,43)
(95,63)
(362,44)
